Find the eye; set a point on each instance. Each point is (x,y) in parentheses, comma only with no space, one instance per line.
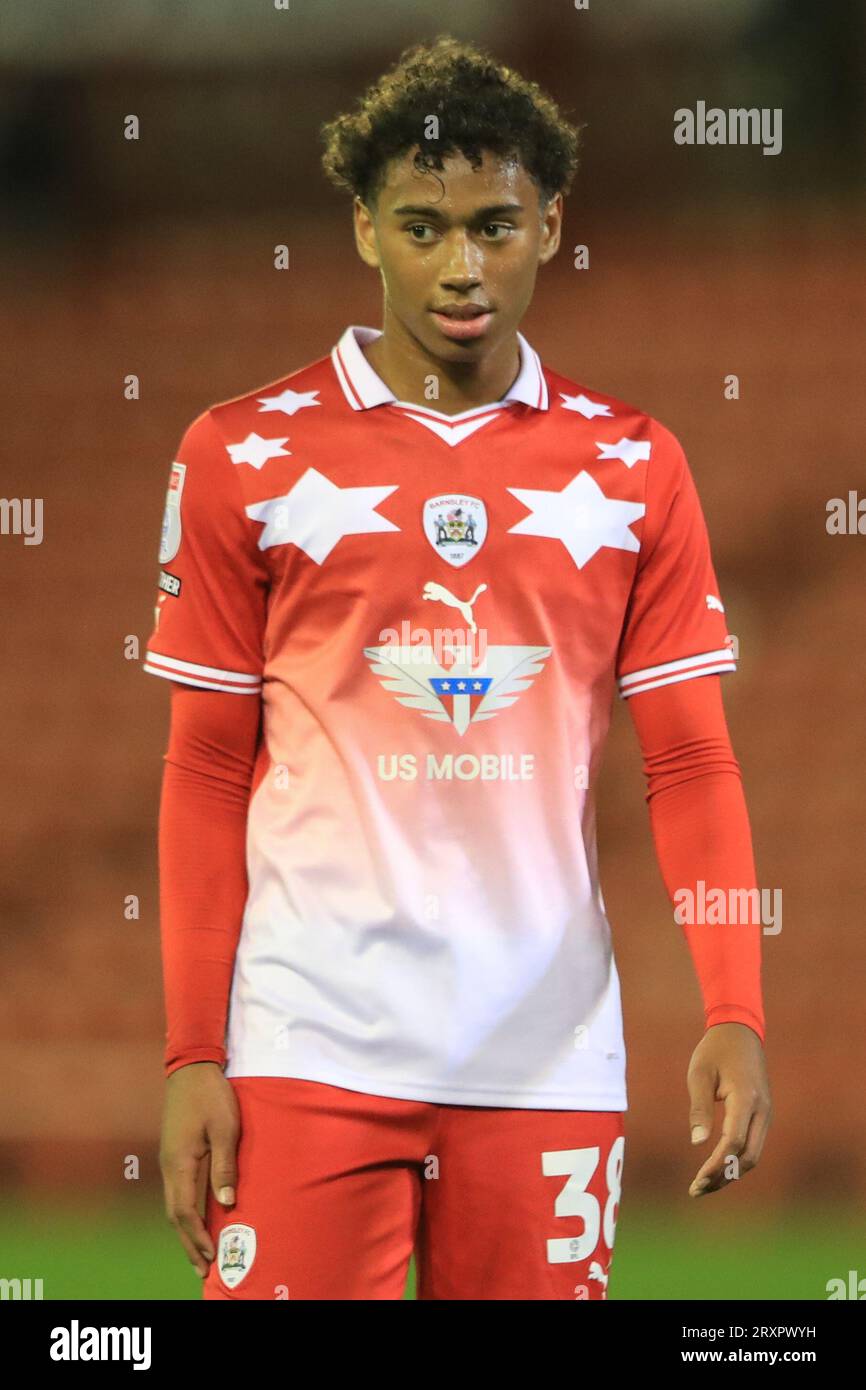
(497,231)
(418,229)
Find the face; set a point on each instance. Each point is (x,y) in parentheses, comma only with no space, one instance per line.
(458,250)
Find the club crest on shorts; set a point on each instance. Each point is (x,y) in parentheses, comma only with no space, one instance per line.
(171,528)
(235,1253)
(455,526)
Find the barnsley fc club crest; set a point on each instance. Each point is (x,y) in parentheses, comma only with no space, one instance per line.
(235,1253)
(455,526)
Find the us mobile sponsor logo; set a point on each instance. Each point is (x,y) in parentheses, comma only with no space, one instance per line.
(461,692)
(736,126)
(77,1343)
(169,582)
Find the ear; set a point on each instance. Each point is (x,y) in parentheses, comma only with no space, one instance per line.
(551,230)
(365,234)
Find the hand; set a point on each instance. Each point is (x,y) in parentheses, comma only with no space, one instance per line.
(728,1065)
(201,1116)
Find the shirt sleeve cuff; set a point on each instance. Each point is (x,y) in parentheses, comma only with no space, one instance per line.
(733,1013)
(669,672)
(207,677)
(196,1054)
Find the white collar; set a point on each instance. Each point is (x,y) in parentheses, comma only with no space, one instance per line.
(364,388)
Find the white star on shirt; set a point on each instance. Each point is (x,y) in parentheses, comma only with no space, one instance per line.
(631,451)
(580,516)
(315,514)
(256,451)
(288,401)
(584,406)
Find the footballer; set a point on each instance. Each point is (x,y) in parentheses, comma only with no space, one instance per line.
(400,588)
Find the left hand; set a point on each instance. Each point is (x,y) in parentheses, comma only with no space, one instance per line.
(728,1065)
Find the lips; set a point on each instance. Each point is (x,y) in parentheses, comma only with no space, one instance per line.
(462,311)
(462,321)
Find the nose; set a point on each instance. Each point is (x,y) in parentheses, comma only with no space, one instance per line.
(461,269)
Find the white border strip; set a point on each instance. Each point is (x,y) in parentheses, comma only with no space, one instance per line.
(681,676)
(345,385)
(210,677)
(544,398)
(683,664)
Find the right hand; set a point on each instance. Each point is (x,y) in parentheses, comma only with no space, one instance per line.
(201,1116)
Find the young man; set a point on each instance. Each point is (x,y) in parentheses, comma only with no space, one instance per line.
(401,586)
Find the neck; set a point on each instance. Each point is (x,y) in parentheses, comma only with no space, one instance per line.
(406,368)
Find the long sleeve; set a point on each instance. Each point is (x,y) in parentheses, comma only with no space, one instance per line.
(206,785)
(208,642)
(700,827)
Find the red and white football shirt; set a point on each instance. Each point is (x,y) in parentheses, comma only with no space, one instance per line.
(435,611)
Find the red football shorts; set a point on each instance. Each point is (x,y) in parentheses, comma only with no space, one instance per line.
(336,1189)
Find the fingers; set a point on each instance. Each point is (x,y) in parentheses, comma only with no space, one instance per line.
(702,1091)
(701,1113)
(746,1120)
(180,1180)
(223,1162)
(757,1134)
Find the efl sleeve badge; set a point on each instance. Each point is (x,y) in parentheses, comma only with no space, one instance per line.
(171,527)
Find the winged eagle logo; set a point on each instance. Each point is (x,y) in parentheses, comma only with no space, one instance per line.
(462,694)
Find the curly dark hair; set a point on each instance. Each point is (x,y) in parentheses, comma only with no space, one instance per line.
(481,105)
